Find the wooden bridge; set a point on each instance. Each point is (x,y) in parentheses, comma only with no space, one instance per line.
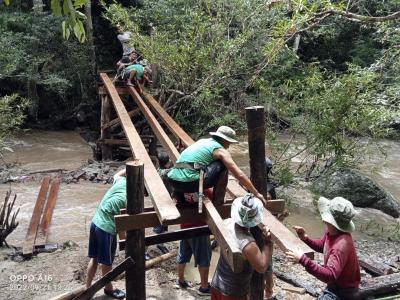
(135,218)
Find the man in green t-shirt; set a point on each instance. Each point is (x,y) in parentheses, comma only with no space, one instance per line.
(137,75)
(212,155)
(103,235)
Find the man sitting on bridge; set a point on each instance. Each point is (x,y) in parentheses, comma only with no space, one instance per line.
(210,154)
(102,237)
(246,212)
(137,75)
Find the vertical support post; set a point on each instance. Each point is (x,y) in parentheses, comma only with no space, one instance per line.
(135,246)
(106,152)
(256,137)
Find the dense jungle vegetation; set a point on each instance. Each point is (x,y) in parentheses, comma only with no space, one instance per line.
(328,70)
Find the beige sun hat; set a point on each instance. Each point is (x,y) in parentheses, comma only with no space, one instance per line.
(339,212)
(247,211)
(226,133)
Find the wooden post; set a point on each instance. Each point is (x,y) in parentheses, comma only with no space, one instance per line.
(256,137)
(135,277)
(106,152)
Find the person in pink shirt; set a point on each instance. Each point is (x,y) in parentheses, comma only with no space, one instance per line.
(341,270)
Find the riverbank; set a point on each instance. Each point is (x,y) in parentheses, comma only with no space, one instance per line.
(84,183)
(44,280)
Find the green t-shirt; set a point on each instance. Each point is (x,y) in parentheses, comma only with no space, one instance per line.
(200,152)
(139,70)
(110,205)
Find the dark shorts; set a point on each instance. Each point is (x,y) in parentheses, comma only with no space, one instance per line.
(211,175)
(199,247)
(102,245)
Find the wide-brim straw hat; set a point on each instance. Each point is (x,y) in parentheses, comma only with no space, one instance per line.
(339,212)
(247,212)
(226,133)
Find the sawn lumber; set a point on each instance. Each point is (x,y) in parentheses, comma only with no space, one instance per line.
(159,195)
(27,247)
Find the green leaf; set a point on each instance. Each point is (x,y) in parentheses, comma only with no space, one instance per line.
(55,7)
(63,25)
(7,2)
(79,3)
(66,7)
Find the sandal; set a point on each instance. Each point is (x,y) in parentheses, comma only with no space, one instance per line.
(115,293)
(183,284)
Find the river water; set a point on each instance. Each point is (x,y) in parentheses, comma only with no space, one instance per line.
(76,203)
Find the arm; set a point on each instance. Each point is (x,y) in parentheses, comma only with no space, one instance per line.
(315,244)
(328,273)
(120,173)
(226,158)
(259,260)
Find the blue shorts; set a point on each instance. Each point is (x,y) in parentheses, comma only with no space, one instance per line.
(102,245)
(200,247)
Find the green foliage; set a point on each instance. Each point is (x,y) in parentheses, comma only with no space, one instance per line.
(38,63)
(216,57)
(12,116)
(74,19)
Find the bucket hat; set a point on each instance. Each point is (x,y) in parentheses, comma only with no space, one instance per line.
(339,212)
(226,133)
(247,211)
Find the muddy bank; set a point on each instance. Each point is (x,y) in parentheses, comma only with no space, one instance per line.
(44,279)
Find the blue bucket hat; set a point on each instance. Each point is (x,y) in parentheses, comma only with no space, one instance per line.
(247,211)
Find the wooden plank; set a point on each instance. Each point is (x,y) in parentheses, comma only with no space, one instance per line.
(106,152)
(229,250)
(117,120)
(116,142)
(99,284)
(171,236)
(158,193)
(121,90)
(43,231)
(283,237)
(135,278)
(27,247)
(175,129)
(380,285)
(373,266)
(146,219)
(155,126)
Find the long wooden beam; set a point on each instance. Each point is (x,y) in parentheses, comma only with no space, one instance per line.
(229,248)
(175,129)
(155,126)
(158,193)
(27,247)
(171,236)
(283,237)
(146,219)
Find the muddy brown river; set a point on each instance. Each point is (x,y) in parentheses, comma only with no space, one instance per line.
(76,203)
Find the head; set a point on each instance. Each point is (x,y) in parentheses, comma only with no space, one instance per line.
(247,211)
(164,160)
(225,136)
(337,213)
(133,56)
(147,75)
